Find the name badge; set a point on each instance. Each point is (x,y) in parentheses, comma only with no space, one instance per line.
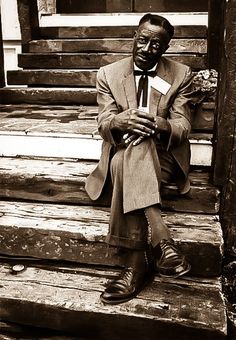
(160,85)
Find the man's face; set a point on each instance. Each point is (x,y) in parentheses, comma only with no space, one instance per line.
(150,42)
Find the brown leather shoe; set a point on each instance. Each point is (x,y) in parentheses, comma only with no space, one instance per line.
(171,263)
(126,286)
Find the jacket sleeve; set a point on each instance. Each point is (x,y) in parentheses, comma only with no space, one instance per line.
(180,113)
(107,109)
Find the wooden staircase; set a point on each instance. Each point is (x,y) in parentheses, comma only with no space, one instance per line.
(48,146)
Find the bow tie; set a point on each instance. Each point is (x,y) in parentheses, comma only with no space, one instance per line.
(145,73)
(143,85)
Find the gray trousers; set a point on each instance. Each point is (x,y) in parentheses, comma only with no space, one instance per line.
(137,173)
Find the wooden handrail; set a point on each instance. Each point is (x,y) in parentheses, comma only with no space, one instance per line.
(29,22)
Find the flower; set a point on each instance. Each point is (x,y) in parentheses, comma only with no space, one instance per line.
(205,85)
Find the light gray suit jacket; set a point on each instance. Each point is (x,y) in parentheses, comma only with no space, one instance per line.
(117,92)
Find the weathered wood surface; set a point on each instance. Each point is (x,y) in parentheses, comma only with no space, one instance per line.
(203,117)
(29,22)
(77,233)
(12,331)
(115,32)
(117,45)
(68,300)
(94,60)
(225,134)
(68,120)
(52,77)
(48,96)
(170,6)
(59,181)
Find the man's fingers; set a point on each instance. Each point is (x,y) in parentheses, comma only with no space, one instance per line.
(129,139)
(146,115)
(138,140)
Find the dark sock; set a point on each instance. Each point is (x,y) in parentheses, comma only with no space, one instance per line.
(158,228)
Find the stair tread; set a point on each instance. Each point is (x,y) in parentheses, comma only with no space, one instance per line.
(77,233)
(96,60)
(63,181)
(67,299)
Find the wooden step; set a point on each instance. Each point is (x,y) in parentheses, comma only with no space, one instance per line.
(95,60)
(115,45)
(48,96)
(69,132)
(190,31)
(13,331)
(51,77)
(120,19)
(63,181)
(77,233)
(203,117)
(67,299)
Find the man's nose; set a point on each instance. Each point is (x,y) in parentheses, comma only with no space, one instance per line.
(146,47)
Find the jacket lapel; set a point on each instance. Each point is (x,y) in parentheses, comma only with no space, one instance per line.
(129,86)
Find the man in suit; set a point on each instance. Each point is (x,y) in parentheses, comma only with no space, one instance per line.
(144,120)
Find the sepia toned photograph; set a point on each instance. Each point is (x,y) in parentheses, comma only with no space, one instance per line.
(118,169)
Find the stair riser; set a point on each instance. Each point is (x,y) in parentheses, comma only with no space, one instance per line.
(205,258)
(90,60)
(48,96)
(78,148)
(58,181)
(70,301)
(115,32)
(112,45)
(52,78)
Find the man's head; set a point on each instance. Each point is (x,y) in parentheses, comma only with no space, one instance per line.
(151,40)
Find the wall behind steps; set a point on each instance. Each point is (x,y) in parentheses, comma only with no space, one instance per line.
(11,33)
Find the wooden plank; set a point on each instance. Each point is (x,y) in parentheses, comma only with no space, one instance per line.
(170,6)
(68,300)
(111,19)
(48,96)
(60,181)
(203,118)
(94,60)
(2,74)
(123,6)
(53,77)
(13,331)
(181,31)
(29,22)
(123,45)
(77,233)
(56,145)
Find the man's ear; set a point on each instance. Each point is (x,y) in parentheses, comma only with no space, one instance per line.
(135,34)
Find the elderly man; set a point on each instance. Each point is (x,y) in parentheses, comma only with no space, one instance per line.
(144,120)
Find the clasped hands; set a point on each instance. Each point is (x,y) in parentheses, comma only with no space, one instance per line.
(138,125)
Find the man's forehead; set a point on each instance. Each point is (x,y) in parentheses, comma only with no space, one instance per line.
(152,30)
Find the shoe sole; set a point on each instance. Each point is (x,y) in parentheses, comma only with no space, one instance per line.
(185,271)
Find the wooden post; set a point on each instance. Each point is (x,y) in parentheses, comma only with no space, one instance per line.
(29,22)
(225,127)
(215,31)
(2,76)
